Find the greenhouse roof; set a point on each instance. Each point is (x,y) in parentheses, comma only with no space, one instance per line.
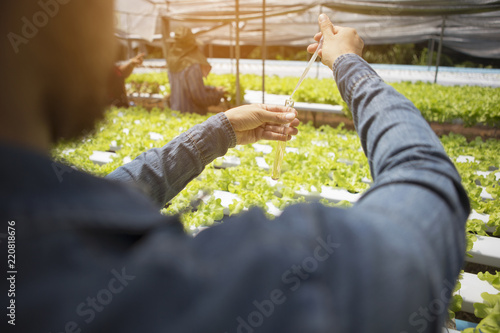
(470,26)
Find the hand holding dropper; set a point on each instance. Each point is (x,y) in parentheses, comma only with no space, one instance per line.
(281,145)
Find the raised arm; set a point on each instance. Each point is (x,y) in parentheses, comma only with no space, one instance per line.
(403,244)
(414,214)
(127,68)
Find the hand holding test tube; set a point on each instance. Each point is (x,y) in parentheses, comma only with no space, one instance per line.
(280,148)
(281,145)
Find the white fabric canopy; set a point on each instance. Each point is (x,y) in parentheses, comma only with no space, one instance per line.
(471,26)
(138,19)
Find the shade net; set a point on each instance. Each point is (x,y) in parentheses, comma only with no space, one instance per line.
(470,27)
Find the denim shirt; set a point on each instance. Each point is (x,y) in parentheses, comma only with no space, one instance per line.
(95,255)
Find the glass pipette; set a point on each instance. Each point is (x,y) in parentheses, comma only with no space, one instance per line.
(281,145)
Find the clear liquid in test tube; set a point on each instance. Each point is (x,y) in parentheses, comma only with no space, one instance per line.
(280,148)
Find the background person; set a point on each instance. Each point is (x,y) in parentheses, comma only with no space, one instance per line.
(187,66)
(95,255)
(117,92)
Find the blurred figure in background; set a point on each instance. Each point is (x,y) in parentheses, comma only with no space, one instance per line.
(187,66)
(117,92)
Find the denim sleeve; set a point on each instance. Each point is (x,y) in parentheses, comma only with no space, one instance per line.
(162,173)
(415,211)
(399,144)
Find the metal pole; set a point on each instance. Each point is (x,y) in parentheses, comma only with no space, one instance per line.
(231,49)
(165,31)
(438,60)
(318,62)
(430,53)
(263,50)
(238,98)
(129,43)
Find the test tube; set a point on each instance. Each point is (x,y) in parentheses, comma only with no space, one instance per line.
(280,148)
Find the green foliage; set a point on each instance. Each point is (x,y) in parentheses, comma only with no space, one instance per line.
(493,279)
(416,54)
(228,81)
(129,128)
(396,54)
(471,64)
(489,310)
(456,300)
(160,78)
(486,160)
(469,104)
(151,83)
(279,53)
(319,159)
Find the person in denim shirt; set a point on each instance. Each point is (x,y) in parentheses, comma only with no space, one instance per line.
(117,93)
(95,255)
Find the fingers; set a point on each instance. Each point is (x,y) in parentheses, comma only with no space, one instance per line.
(326,26)
(282,130)
(275,136)
(252,123)
(294,123)
(276,108)
(276,114)
(312,48)
(336,30)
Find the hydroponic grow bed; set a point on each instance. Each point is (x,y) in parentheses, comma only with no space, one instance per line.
(325,165)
